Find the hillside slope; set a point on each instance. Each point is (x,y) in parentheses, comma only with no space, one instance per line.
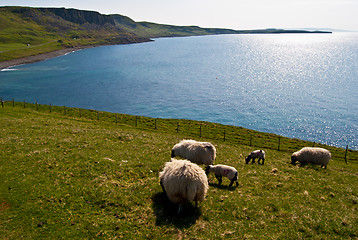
(38,25)
(75,177)
(155,30)
(30,31)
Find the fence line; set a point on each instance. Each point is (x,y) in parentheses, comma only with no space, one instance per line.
(212,130)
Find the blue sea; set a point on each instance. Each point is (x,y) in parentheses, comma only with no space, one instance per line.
(297,85)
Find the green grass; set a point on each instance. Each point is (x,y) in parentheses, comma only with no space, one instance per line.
(72,177)
(45,32)
(28,51)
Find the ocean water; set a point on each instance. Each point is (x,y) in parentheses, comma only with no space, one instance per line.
(296,85)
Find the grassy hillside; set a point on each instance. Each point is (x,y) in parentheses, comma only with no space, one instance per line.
(30,31)
(154,30)
(78,174)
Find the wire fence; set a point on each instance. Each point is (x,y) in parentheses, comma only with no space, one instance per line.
(192,129)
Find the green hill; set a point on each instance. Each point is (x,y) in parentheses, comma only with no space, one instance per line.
(66,173)
(26,31)
(154,30)
(30,31)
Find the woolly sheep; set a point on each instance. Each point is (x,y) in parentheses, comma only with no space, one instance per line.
(196,152)
(223,171)
(260,154)
(183,181)
(314,155)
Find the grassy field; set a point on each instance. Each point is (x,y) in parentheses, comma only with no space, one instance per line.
(80,175)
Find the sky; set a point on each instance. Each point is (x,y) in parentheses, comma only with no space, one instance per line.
(234,14)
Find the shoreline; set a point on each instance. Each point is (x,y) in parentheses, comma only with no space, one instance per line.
(38,58)
(44,56)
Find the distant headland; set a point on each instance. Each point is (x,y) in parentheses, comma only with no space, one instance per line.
(34,34)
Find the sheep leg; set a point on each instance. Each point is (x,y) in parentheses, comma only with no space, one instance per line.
(234,180)
(180,208)
(219,178)
(253,160)
(262,161)
(231,183)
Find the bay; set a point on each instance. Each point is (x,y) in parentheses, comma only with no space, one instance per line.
(297,85)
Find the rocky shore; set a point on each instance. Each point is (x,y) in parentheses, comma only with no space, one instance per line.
(36,58)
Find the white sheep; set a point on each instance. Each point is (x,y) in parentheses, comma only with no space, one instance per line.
(183,181)
(223,171)
(196,152)
(314,155)
(260,154)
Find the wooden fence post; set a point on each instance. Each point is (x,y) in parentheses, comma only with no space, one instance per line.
(80,112)
(50,108)
(345,156)
(155,124)
(13,102)
(116,118)
(224,135)
(136,120)
(178,126)
(279,142)
(98,116)
(24,104)
(200,130)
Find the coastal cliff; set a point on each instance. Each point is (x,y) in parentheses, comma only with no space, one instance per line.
(44,32)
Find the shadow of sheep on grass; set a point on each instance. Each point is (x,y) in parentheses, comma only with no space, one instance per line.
(223,187)
(166,212)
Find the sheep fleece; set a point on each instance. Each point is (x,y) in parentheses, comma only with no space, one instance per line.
(184,181)
(315,155)
(197,152)
(223,170)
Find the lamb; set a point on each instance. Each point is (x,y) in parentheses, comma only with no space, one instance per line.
(314,155)
(223,171)
(183,181)
(196,152)
(260,154)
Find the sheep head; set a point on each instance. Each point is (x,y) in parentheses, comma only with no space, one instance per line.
(293,159)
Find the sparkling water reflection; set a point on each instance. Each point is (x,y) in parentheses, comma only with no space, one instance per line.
(297,85)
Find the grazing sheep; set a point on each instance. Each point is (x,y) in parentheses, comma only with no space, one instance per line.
(196,152)
(314,155)
(260,154)
(223,171)
(183,181)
